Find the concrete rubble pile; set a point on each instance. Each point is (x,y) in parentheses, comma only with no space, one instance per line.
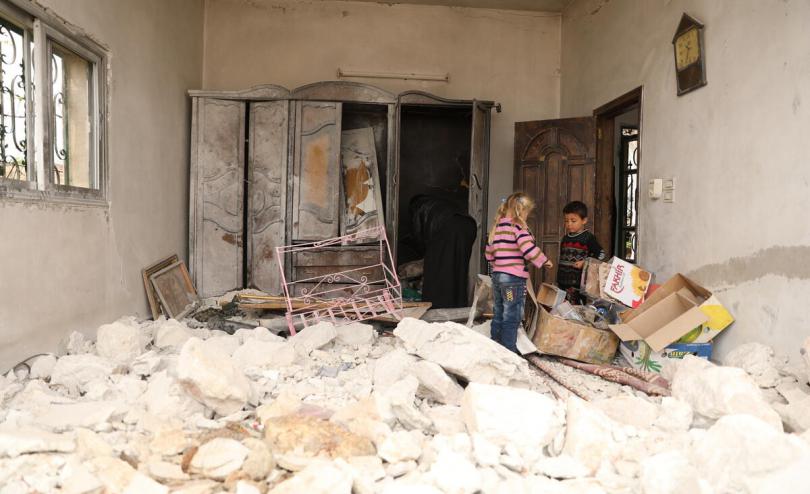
(167,406)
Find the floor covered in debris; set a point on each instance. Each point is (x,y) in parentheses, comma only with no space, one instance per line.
(175,406)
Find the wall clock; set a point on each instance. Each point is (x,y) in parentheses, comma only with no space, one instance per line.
(690,57)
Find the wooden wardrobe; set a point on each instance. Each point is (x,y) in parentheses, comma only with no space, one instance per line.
(265,172)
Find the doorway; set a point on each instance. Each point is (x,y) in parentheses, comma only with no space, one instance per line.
(618,158)
(591,159)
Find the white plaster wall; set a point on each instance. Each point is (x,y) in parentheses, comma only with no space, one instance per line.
(508,56)
(736,147)
(74,268)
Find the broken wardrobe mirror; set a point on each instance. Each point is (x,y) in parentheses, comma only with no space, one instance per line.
(175,290)
(151,296)
(362,205)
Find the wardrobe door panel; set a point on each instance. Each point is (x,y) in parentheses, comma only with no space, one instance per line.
(316,171)
(267,192)
(216,195)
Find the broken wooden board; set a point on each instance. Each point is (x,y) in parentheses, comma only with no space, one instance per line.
(151,295)
(175,290)
(441,315)
(415,310)
(362,207)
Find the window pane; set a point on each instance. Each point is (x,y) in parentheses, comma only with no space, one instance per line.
(629,246)
(71,119)
(631,193)
(13,140)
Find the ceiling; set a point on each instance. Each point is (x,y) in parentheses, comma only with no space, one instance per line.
(536,5)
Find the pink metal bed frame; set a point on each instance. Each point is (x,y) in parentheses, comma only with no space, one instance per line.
(325,302)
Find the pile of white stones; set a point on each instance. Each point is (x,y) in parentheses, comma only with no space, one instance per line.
(162,407)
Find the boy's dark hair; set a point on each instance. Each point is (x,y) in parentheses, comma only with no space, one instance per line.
(576,207)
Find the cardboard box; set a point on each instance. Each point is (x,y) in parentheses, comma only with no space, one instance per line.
(550,295)
(641,356)
(564,338)
(627,282)
(661,322)
(594,276)
(719,316)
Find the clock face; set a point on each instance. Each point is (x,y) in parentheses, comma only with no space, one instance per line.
(687,49)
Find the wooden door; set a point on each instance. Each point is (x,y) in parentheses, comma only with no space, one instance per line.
(479,178)
(316,171)
(216,195)
(555,164)
(267,191)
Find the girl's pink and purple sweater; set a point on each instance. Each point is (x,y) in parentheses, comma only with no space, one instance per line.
(512,245)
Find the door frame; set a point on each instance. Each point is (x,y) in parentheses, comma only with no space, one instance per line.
(605,208)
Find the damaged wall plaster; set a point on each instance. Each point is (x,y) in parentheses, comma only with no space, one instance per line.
(66,268)
(508,56)
(734,147)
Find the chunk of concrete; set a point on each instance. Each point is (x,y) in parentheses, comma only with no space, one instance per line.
(758,361)
(212,378)
(805,353)
(355,334)
(435,384)
(224,342)
(75,371)
(71,415)
(165,471)
(796,412)
(172,334)
(452,472)
(165,397)
(714,391)
(42,367)
(118,476)
(391,367)
(510,415)
(119,342)
(400,397)
(401,446)
(318,478)
(15,441)
(259,462)
(742,447)
(258,333)
(463,352)
(588,434)
(219,458)
(629,410)
(313,338)
(264,354)
(675,415)
(311,436)
(669,472)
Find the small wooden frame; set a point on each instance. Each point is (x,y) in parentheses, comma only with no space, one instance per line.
(175,290)
(151,296)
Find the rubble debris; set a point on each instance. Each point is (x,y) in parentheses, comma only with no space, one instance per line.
(212,377)
(463,352)
(119,342)
(644,381)
(758,361)
(428,410)
(714,391)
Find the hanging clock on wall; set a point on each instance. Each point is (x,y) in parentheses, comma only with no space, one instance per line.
(690,57)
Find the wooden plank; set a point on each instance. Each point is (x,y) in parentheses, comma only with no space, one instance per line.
(217,187)
(316,182)
(338,256)
(479,180)
(267,192)
(151,295)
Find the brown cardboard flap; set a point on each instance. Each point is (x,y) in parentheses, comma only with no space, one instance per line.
(670,333)
(662,323)
(625,332)
(673,285)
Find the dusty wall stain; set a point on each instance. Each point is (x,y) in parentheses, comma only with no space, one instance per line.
(787,261)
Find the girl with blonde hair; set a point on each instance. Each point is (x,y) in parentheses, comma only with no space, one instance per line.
(509,247)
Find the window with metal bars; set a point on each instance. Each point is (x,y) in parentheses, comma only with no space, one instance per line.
(627,224)
(51,120)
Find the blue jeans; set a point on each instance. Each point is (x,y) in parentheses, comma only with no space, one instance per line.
(509,294)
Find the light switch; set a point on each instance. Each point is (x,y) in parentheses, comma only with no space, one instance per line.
(656,188)
(669,190)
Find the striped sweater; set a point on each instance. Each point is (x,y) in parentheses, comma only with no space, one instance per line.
(512,245)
